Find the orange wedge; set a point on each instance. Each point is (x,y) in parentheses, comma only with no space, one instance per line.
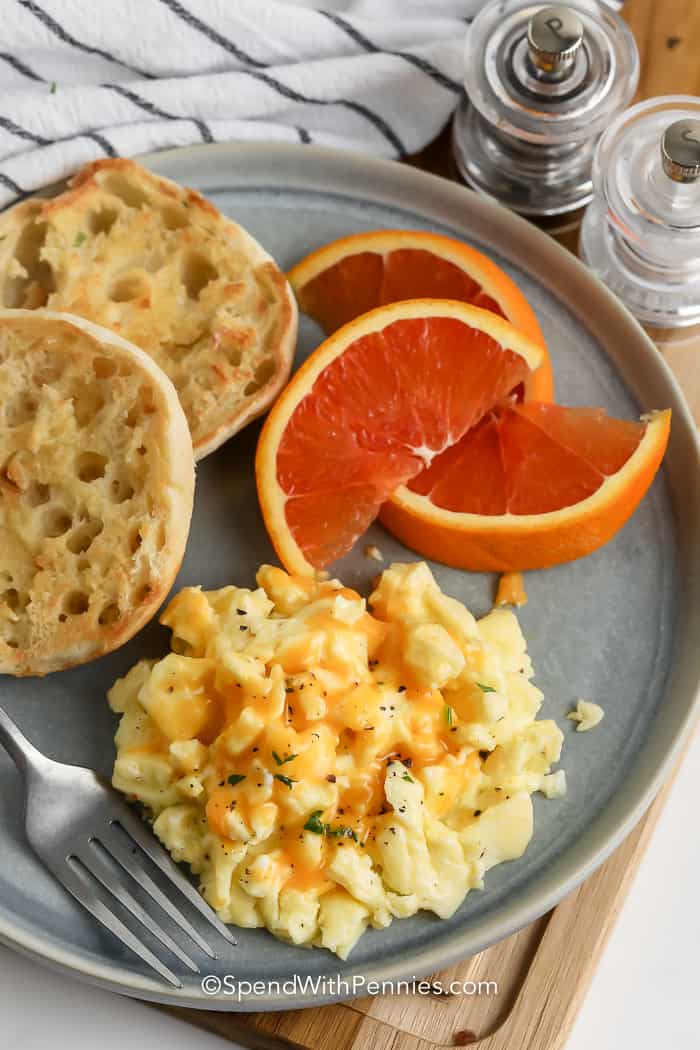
(531,486)
(350,276)
(369,409)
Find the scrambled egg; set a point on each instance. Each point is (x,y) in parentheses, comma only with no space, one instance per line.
(587,714)
(321,768)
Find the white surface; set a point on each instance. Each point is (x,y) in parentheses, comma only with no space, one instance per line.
(650,959)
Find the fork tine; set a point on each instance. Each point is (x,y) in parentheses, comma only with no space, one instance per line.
(99,867)
(125,857)
(137,830)
(84,892)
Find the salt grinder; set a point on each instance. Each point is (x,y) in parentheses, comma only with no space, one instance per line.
(541,85)
(641,234)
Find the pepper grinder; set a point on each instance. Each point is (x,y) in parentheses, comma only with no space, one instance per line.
(641,234)
(541,85)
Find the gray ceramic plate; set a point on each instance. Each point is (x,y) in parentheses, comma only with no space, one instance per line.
(620,627)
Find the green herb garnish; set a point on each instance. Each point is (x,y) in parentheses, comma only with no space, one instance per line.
(236,778)
(448,714)
(281,761)
(486,688)
(315,824)
(53,87)
(287,781)
(341,832)
(408,778)
(80,238)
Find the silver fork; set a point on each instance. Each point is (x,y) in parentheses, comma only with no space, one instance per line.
(93,842)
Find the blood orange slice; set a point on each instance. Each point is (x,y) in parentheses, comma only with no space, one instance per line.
(371,407)
(350,276)
(531,486)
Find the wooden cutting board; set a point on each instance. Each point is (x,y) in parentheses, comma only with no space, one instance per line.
(544,970)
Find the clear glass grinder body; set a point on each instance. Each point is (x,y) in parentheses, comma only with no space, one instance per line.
(541,85)
(641,233)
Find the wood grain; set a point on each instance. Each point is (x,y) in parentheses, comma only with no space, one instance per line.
(683,360)
(543,971)
(668,37)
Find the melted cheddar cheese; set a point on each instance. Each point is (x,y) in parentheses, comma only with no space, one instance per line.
(322,767)
(511,590)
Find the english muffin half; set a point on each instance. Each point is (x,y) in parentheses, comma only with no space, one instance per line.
(96,489)
(161,266)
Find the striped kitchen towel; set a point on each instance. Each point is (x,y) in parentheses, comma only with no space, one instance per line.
(81,79)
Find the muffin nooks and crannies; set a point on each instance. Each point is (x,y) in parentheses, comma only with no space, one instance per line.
(96,489)
(161,266)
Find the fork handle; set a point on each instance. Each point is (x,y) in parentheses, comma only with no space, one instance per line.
(24,754)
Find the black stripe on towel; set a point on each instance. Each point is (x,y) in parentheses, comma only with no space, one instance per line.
(204,130)
(11,185)
(101,141)
(104,143)
(142,103)
(295,96)
(22,133)
(62,34)
(415,60)
(156,111)
(282,89)
(21,67)
(212,34)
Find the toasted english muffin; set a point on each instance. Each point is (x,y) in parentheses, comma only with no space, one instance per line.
(159,265)
(96,489)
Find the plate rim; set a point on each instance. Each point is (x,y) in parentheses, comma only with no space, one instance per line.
(363,177)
